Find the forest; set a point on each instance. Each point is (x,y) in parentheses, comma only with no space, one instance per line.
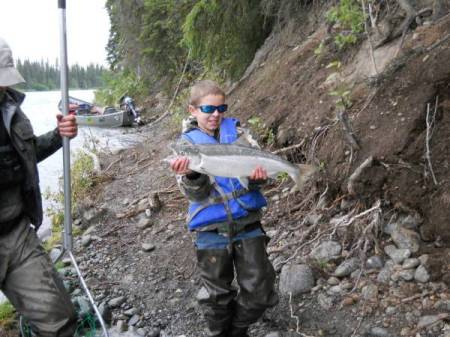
(43,75)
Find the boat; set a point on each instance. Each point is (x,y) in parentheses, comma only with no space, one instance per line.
(91,115)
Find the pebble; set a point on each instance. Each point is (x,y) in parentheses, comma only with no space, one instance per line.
(369,292)
(410,263)
(384,275)
(144,223)
(325,301)
(133,320)
(273,334)
(115,302)
(148,247)
(378,332)
(421,275)
(406,239)
(333,281)
(202,294)
(347,267)
(391,310)
(86,240)
(407,275)
(326,251)
(130,312)
(397,255)
(154,332)
(375,262)
(121,326)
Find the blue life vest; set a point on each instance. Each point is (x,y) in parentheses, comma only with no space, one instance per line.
(229,200)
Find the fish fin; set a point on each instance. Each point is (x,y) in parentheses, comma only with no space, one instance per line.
(243,181)
(170,158)
(305,173)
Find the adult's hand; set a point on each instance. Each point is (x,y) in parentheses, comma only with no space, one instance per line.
(180,165)
(259,173)
(67,126)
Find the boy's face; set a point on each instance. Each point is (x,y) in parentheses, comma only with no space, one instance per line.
(208,122)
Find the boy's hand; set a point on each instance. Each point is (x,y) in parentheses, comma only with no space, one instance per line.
(259,173)
(180,165)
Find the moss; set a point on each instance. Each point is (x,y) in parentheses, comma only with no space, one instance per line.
(7,313)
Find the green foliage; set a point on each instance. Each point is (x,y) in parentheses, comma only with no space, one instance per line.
(282,177)
(7,313)
(319,50)
(342,94)
(118,84)
(179,110)
(82,181)
(349,17)
(261,130)
(161,34)
(224,34)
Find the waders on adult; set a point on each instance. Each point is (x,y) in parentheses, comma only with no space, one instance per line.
(67,233)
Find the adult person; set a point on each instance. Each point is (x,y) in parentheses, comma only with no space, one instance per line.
(27,276)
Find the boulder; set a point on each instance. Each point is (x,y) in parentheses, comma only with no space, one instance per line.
(296,279)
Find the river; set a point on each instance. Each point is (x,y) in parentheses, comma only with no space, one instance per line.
(41,109)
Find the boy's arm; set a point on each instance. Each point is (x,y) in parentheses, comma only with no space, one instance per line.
(195,186)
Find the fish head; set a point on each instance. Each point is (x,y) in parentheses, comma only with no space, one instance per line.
(181,149)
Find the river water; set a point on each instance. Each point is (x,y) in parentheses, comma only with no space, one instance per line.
(41,109)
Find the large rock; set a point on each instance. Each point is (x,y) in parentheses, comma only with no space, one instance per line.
(347,267)
(296,279)
(326,251)
(406,239)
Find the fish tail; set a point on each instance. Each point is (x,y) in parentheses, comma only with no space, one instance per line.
(302,175)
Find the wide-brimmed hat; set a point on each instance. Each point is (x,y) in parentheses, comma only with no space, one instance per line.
(8,74)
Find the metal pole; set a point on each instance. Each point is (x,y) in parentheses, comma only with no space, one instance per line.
(67,234)
(68,240)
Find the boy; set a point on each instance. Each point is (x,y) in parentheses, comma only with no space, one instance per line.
(229,233)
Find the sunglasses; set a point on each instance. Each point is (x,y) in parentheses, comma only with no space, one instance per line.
(209,109)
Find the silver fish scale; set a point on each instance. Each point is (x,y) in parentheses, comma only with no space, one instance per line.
(236,150)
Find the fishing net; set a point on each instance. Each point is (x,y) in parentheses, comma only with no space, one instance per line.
(86,326)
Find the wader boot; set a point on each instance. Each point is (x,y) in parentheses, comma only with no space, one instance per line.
(31,283)
(256,277)
(217,273)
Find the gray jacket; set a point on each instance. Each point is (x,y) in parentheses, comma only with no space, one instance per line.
(197,186)
(31,150)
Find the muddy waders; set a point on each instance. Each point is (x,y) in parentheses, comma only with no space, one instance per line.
(227,312)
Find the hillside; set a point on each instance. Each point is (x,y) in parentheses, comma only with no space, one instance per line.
(371,230)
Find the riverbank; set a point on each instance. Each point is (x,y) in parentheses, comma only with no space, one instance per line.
(139,260)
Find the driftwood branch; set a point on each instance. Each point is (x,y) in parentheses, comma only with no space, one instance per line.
(357,173)
(289,148)
(372,54)
(430,122)
(349,136)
